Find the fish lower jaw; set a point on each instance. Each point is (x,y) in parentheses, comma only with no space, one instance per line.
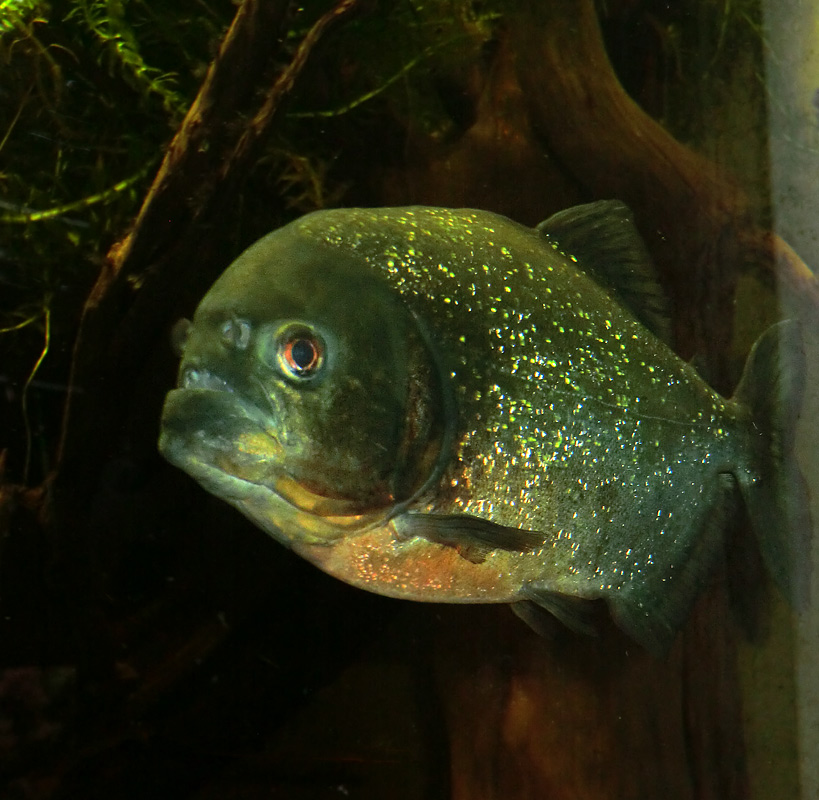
(291,525)
(283,520)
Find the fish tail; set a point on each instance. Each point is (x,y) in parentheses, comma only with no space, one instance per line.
(773,488)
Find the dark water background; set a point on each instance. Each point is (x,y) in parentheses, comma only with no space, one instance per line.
(152,643)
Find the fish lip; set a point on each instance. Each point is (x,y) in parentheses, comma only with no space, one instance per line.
(211,477)
(204,419)
(281,518)
(204,426)
(193,377)
(221,392)
(203,431)
(207,452)
(286,524)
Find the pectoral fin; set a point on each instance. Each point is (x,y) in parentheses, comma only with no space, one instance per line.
(472,537)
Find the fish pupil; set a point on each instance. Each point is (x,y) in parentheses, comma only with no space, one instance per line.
(301,353)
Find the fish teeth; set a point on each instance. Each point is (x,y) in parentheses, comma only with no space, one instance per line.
(194,378)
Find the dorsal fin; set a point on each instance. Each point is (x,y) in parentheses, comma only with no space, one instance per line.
(602,238)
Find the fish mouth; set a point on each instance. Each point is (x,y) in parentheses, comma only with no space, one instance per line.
(206,425)
(231,448)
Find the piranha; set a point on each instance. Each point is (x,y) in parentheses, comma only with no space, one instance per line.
(444,405)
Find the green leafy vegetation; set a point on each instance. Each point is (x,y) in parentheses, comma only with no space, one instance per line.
(92,92)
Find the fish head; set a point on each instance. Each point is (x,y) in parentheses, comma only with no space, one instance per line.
(307,394)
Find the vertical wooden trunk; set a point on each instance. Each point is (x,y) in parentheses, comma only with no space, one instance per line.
(578,719)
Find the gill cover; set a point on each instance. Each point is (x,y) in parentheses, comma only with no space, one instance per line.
(310,378)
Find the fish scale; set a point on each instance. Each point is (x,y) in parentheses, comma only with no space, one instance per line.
(483,413)
(581,351)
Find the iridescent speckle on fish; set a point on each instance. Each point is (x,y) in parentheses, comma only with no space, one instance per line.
(462,409)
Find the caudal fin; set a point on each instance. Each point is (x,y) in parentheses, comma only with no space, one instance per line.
(774,491)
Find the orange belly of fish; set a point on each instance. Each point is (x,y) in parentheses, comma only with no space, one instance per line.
(417,569)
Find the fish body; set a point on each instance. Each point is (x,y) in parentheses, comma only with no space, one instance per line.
(444,405)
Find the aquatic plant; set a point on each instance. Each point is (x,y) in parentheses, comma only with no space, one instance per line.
(83,119)
(121,51)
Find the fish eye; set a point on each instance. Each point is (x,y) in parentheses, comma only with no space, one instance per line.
(300,352)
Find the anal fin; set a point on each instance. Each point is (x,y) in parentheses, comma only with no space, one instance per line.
(652,614)
(542,607)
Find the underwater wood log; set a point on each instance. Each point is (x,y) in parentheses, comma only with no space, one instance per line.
(692,214)
(576,718)
(686,207)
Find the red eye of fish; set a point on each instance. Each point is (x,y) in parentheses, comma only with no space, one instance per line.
(301,353)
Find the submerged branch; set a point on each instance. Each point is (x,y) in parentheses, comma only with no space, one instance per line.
(194,157)
(258,127)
